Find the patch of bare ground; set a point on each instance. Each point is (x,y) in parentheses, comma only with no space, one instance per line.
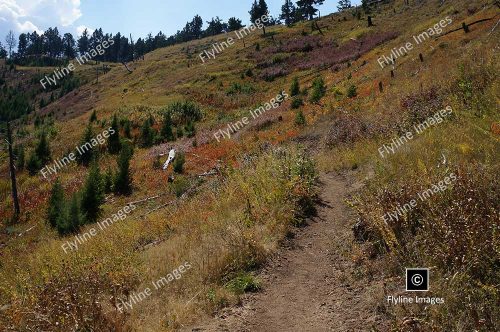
(312,283)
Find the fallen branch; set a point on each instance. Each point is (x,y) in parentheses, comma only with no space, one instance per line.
(26,231)
(146,199)
(209,173)
(471,24)
(494,28)
(159,207)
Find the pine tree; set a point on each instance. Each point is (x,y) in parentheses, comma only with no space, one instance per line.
(75,218)
(258,10)
(42,150)
(300,119)
(288,12)
(56,203)
(366,6)
(127,131)
(318,90)
(343,5)
(92,194)
(190,129)
(234,24)
(295,87)
(33,165)
(147,134)
(108,181)
(178,164)
(166,130)
(88,154)
(307,8)
(114,144)
(123,178)
(93,116)
(70,218)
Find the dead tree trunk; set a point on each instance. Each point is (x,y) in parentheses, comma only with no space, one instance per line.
(123,63)
(15,198)
(319,29)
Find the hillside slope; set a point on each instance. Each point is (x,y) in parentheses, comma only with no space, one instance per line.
(228,209)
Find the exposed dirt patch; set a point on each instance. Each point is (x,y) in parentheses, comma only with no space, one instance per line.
(313,284)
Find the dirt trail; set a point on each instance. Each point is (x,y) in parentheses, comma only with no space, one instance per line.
(312,284)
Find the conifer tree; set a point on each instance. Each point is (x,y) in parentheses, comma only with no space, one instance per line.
(318,90)
(288,12)
(307,8)
(234,24)
(75,218)
(166,130)
(300,119)
(343,5)
(295,87)
(127,131)
(56,203)
(123,178)
(42,150)
(93,116)
(108,181)
(86,154)
(92,194)
(147,134)
(190,129)
(34,164)
(114,144)
(258,10)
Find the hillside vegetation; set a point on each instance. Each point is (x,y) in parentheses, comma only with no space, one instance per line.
(228,204)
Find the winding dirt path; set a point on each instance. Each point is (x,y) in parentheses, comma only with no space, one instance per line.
(312,284)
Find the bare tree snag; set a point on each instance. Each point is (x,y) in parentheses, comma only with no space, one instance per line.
(370,23)
(124,64)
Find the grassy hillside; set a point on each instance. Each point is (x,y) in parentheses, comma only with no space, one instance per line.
(227,224)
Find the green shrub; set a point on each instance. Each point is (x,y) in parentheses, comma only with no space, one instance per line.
(295,87)
(184,111)
(352,91)
(237,88)
(180,185)
(178,163)
(243,283)
(297,102)
(300,119)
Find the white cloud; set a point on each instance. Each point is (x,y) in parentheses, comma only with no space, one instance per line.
(30,15)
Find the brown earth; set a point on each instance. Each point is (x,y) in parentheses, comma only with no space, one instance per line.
(312,284)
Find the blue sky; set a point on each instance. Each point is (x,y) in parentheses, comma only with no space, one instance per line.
(125,16)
